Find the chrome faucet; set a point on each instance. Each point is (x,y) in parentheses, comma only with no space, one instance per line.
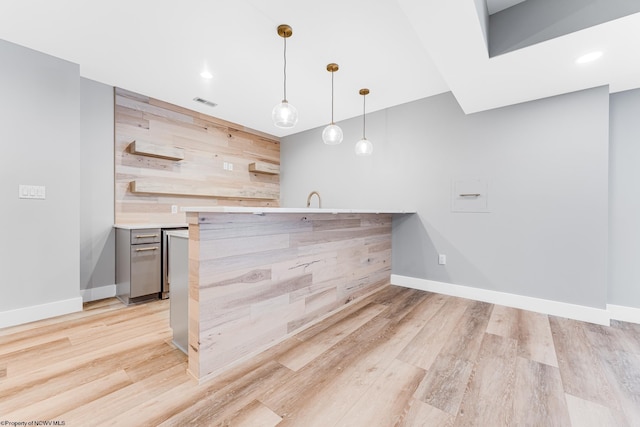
(309,199)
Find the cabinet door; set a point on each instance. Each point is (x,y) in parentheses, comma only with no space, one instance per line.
(145,269)
(179,282)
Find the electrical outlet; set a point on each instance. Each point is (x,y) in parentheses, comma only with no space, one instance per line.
(230,166)
(174,209)
(225,166)
(442,259)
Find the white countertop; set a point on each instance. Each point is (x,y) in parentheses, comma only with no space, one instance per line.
(143,226)
(259,210)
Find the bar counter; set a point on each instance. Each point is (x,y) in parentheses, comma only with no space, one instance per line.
(259,275)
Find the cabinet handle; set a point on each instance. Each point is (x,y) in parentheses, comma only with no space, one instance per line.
(145,236)
(470,195)
(146,249)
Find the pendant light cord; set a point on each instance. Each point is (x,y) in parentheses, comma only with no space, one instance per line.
(285,68)
(332,73)
(364,115)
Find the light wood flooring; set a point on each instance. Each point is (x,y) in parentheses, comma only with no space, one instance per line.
(400,357)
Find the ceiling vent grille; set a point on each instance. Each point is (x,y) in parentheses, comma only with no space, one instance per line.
(204,101)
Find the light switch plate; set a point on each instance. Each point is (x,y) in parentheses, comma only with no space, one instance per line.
(32,192)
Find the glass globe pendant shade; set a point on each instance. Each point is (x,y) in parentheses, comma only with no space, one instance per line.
(284,115)
(364,147)
(332,134)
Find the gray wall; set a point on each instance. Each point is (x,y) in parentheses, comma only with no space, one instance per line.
(547,165)
(97,238)
(535,21)
(40,137)
(624,199)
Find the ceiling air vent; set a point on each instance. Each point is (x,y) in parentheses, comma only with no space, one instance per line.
(204,101)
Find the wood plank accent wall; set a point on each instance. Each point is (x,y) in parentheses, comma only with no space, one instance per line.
(199,179)
(256,279)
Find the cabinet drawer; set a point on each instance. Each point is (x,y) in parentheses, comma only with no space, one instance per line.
(146,235)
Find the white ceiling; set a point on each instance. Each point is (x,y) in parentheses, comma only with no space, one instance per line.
(402,50)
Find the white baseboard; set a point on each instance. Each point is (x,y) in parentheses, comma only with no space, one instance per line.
(554,308)
(23,315)
(95,294)
(625,314)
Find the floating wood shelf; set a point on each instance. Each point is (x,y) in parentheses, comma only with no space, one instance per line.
(145,148)
(263,167)
(154,187)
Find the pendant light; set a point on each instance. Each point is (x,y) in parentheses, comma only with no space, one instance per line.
(285,115)
(364,146)
(332,134)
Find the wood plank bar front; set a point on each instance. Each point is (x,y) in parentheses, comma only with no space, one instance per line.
(256,279)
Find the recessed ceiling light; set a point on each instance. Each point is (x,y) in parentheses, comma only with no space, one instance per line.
(206,75)
(589,57)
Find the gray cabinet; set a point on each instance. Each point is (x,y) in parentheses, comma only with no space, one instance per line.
(178,243)
(138,264)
